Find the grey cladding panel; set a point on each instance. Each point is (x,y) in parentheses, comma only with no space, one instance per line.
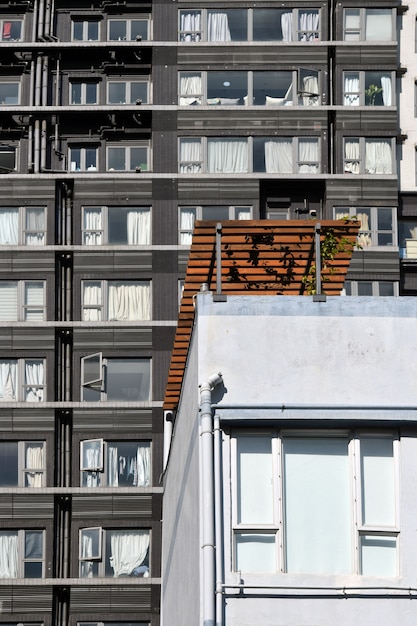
(210,191)
(25,599)
(258,57)
(111,599)
(112,192)
(111,261)
(105,507)
(245,119)
(35,420)
(36,339)
(367,121)
(385,55)
(31,506)
(28,263)
(112,339)
(136,421)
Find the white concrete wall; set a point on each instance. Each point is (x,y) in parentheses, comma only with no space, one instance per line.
(408,120)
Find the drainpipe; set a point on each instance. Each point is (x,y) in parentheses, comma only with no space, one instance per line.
(207,490)
(168,419)
(218,521)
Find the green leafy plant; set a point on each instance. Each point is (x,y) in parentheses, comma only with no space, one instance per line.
(372,92)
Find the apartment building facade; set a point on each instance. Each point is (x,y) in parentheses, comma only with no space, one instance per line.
(121,124)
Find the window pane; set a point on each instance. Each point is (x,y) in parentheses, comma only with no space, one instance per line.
(12,30)
(272,88)
(227,25)
(364,288)
(7,159)
(128,552)
(378,26)
(75,159)
(378,556)
(378,482)
(90,539)
(254,470)
(116,158)
(91,369)
(138,29)
(139,158)
(76,93)
(117,30)
(267,24)
(77,31)
(215,213)
(35,226)
(117,93)
(92,31)
(229,87)
(91,93)
(255,553)
(317,506)
(33,301)
(9,220)
(386,288)
(128,380)
(33,544)
(90,158)
(9,467)
(138,91)
(8,300)
(9,93)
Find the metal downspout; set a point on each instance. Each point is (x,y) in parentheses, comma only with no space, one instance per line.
(218,521)
(207,490)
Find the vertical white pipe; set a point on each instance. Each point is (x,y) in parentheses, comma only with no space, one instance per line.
(168,417)
(38,81)
(218,520)
(43,145)
(35,18)
(41,19)
(37,147)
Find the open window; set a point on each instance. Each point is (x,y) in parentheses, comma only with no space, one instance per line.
(308,86)
(90,551)
(115,380)
(92,370)
(113,553)
(91,455)
(115,463)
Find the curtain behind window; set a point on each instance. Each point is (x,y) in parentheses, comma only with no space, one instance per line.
(190,22)
(34,380)
(278,156)
(227,156)
(9,221)
(286,26)
(378,158)
(35,460)
(128,551)
(8,373)
(190,89)
(129,302)
(138,227)
(9,556)
(93,225)
(35,221)
(218,27)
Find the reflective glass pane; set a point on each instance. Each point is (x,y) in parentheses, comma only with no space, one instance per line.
(116,158)
(378,89)
(254,478)
(139,158)
(92,31)
(91,93)
(386,288)
(7,158)
(378,556)
(33,544)
(9,93)
(255,553)
(9,467)
(267,24)
(378,481)
(128,380)
(364,288)
(78,31)
(75,159)
(90,158)
(76,89)
(117,30)
(229,88)
(139,91)
(139,29)
(117,93)
(215,213)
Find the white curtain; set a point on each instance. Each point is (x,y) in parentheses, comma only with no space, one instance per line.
(310,88)
(308,156)
(378,158)
(9,555)
(128,551)
(34,373)
(92,456)
(113,472)
(143,467)
(92,304)
(187,219)
(190,156)
(138,467)
(9,221)
(34,297)
(227,156)
(138,227)
(35,222)
(129,302)
(278,156)
(93,225)
(351,91)
(8,372)
(86,569)
(218,27)
(243,214)
(352,156)
(35,460)
(386,90)
(286,26)
(190,89)
(364,238)
(309,25)
(189,23)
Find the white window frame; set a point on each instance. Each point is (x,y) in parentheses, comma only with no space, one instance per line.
(21,534)
(22,231)
(202,34)
(84,166)
(8,39)
(101,468)
(21,305)
(367,236)
(361,93)
(84,84)
(85,23)
(15,83)
(100,384)
(276,528)
(128,89)
(102,558)
(22,384)
(103,306)
(233,214)
(130,165)
(358,34)
(22,469)
(362,155)
(145,18)
(103,232)
(353,287)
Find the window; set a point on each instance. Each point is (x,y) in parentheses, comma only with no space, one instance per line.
(8,159)
(115,380)
(368,88)
(114,463)
(282,88)
(85,30)
(11,30)
(22,463)
(83,159)
(101,624)
(22,300)
(129,30)
(22,226)
(113,553)
(22,554)
(378,224)
(369,24)
(238,155)
(22,380)
(371,288)
(249,25)
(116,225)
(116,300)
(128,158)
(408,239)
(83,92)
(368,155)
(312,475)
(188,215)
(127,92)
(9,93)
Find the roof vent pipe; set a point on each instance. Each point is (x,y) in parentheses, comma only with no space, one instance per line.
(204,288)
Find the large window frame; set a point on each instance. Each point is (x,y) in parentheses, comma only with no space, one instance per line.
(378,224)
(116,225)
(22,300)
(115,379)
(368,88)
(83,158)
(23,463)
(23,380)
(272,534)
(128,158)
(11,30)
(116,300)
(228,25)
(115,463)
(129,29)
(375,288)
(83,92)
(369,155)
(9,158)
(187,215)
(9,92)
(85,29)
(22,226)
(27,562)
(97,559)
(357,24)
(134,91)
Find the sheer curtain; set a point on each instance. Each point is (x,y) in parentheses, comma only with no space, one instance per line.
(365,236)
(378,158)
(35,460)
(308,152)
(218,27)
(189,24)
(352,156)
(286,26)
(92,304)
(190,156)
(351,91)
(138,227)
(35,224)
(386,90)
(187,219)
(8,372)
(93,226)
(190,89)
(91,459)
(86,567)
(128,551)
(137,468)
(308,25)
(278,156)
(34,373)
(113,470)
(310,89)
(227,156)
(9,555)
(129,302)
(9,223)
